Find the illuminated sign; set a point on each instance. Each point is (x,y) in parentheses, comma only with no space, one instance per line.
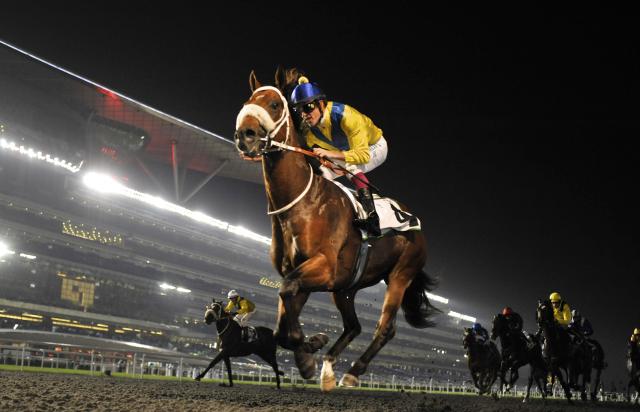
(93,234)
(270,283)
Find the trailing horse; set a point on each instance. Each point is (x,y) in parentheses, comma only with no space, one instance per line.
(232,344)
(483,360)
(559,352)
(315,245)
(518,351)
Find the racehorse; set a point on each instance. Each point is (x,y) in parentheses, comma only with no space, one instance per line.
(633,368)
(315,245)
(516,352)
(483,360)
(560,353)
(232,345)
(597,363)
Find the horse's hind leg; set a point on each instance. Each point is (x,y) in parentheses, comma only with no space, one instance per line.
(385,329)
(344,301)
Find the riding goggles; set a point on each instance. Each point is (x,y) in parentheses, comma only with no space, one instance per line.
(306,108)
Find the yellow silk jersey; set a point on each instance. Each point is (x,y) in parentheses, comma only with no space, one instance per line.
(353,136)
(562,314)
(243,306)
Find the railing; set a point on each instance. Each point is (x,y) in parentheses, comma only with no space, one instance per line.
(149,366)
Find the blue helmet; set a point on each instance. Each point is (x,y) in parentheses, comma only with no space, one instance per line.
(306,92)
(477,326)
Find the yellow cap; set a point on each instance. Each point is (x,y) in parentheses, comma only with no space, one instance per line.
(555,297)
(636,331)
(303,80)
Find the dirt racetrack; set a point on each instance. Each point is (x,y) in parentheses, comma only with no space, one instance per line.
(58,392)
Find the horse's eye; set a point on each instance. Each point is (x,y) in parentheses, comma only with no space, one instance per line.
(274,105)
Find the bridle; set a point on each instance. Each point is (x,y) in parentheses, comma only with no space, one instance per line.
(217,316)
(271,127)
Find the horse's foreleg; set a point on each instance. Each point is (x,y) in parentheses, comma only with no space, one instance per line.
(211,365)
(314,274)
(385,329)
(344,301)
(227,362)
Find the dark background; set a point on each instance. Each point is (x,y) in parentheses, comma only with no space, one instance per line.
(511,132)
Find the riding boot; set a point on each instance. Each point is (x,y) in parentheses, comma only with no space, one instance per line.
(372,223)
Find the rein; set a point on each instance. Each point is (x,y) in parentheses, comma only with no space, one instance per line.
(297,199)
(273,128)
(226,327)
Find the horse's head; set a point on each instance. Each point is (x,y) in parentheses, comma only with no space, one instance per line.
(264,118)
(213,312)
(498,326)
(468,338)
(544,313)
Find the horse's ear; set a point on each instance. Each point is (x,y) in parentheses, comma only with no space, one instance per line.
(281,78)
(253,81)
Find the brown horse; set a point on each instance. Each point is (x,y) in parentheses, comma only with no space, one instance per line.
(315,244)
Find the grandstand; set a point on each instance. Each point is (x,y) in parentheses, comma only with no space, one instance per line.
(79,256)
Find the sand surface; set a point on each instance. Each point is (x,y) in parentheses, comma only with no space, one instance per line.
(58,392)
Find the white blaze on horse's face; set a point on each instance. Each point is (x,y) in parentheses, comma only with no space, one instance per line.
(260,121)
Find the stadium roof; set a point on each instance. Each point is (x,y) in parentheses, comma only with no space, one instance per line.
(196,149)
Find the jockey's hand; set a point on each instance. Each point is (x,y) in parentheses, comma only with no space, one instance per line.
(324,153)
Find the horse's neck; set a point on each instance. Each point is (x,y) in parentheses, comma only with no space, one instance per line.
(286,176)
(223,324)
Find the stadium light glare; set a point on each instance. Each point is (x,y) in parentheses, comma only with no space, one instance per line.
(166,286)
(183,290)
(438,298)
(106,184)
(27,256)
(4,249)
(461,316)
(31,153)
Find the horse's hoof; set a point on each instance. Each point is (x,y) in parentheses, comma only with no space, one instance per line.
(327,377)
(306,364)
(317,342)
(349,381)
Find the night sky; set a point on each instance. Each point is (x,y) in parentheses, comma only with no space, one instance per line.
(512,138)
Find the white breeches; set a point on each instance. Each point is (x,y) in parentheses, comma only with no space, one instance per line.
(377,152)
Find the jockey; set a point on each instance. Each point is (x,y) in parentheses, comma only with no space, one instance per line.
(561,310)
(635,337)
(244,309)
(514,320)
(580,324)
(341,133)
(481,334)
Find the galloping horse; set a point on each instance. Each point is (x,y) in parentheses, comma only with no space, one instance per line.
(483,360)
(517,352)
(230,332)
(315,244)
(560,353)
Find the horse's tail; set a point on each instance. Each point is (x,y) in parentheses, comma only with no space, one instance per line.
(415,303)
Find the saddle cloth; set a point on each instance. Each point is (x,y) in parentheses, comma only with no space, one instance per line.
(389,212)
(249,334)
